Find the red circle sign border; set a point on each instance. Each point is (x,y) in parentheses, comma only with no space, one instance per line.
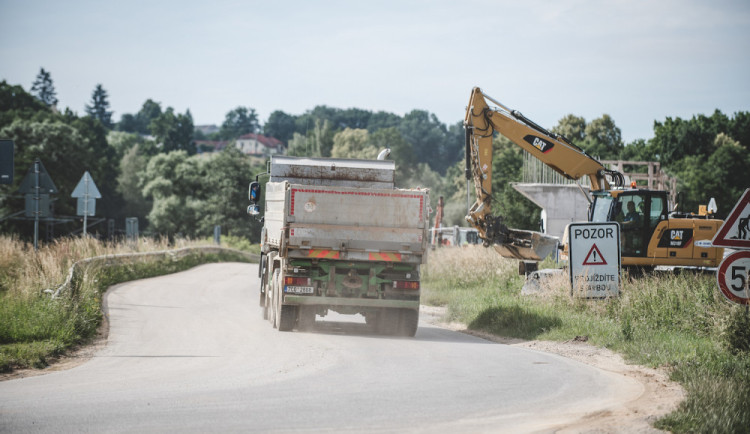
(721,273)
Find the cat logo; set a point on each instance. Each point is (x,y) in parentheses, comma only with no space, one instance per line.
(539,143)
(676,238)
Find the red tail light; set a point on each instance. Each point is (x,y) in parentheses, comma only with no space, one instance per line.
(405,284)
(297,281)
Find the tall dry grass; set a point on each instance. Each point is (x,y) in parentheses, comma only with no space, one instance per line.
(25,272)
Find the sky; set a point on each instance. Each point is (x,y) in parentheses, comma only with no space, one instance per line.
(639,61)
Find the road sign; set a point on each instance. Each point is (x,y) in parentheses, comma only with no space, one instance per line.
(87,193)
(733,277)
(594,259)
(37,205)
(29,183)
(6,161)
(86,188)
(735,232)
(86,207)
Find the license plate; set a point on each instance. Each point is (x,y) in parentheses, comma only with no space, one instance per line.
(299,289)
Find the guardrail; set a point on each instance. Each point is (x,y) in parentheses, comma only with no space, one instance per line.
(120,258)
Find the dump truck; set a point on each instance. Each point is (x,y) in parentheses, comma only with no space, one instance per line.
(338,236)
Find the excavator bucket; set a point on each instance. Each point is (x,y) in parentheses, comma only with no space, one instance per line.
(527,245)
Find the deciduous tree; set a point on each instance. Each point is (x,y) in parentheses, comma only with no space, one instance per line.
(353,143)
(141,121)
(174,131)
(572,127)
(280,125)
(603,138)
(240,121)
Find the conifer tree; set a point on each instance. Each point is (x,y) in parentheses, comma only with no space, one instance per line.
(44,89)
(99,107)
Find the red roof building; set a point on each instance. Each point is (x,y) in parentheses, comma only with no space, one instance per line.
(257,144)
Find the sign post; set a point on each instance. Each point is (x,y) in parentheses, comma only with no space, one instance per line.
(87,193)
(37,186)
(131,230)
(594,259)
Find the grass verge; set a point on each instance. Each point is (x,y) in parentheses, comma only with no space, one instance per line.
(678,321)
(34,327)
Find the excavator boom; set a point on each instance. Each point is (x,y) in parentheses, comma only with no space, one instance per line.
(481,122)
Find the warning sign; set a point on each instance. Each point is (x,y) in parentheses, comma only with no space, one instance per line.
(594,257)
(732,277)
(735,232)
(594,264)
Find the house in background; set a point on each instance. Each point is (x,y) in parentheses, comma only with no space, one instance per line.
(256,145)
(259,145)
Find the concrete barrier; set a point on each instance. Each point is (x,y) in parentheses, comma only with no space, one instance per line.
(121,258)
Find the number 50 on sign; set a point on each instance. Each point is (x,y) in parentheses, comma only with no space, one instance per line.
(733,277)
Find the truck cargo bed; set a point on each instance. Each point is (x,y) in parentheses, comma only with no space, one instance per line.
(346,223)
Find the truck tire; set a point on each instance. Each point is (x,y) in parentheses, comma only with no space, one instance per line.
(262,275)
(273,296)
(409,321)
(266,283)
(388,321)
(263,303)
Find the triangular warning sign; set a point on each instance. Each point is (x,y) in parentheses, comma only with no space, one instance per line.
(86,188)
(594,257)
(735,232)
(29,184)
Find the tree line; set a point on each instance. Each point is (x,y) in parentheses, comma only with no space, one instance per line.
(147,164)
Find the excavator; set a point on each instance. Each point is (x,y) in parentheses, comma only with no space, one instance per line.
(651,234)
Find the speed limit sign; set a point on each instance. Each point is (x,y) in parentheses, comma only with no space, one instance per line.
(733,277)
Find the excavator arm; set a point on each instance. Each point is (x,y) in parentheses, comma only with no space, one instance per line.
(554,150)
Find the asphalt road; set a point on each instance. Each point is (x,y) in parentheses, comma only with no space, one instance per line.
(190,352)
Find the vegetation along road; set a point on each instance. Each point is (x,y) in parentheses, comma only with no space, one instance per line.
(190,352)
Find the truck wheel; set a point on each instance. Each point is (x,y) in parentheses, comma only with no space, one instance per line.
(265,308)
(273,302)
(263,292)
(266,286)
(409,320)
(264,302)
(388,321)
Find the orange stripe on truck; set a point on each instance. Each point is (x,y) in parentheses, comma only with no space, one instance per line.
(323,254)
(385,257)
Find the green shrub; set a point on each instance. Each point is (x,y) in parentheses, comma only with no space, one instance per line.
(736,331)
